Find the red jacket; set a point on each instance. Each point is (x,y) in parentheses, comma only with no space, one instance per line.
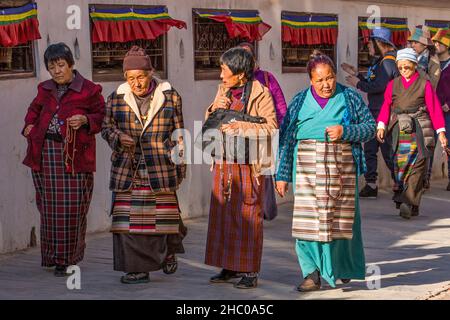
(83,97)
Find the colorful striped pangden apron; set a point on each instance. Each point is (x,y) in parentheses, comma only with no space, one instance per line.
(317,215)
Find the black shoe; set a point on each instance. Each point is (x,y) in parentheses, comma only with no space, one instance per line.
(396,197)
(368,192)
(345,281)
(170,264)
(135,278)
(448,186)
(224,276)
(414,211)
(60,271)
(405,211)
(247,282)
(426,184)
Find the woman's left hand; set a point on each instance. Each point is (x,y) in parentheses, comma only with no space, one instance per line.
(443,140)
(77,121)
(335,132)
(232,128)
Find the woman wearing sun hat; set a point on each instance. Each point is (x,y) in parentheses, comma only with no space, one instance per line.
(428,62)
(428,66)
(442,43)
(411,110)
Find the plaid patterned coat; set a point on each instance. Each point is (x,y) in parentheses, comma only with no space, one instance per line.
(155,137)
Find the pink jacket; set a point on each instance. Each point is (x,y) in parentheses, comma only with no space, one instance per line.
(431,100)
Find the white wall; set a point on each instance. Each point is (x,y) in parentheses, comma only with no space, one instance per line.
(18,213)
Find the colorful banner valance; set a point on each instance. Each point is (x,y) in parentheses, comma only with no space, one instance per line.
(243,24)
(19,25)
(130,24)
(309,29)
(398,27)
(433,26)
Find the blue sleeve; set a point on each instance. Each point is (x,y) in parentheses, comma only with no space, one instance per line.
(386,71)
(288,140)
(363,126)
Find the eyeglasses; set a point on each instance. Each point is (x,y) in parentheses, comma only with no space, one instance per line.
(404,68)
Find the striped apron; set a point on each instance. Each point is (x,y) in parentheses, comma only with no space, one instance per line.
(324,206)
(142,211)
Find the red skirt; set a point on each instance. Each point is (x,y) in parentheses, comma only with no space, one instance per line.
(63,202)
(235,230)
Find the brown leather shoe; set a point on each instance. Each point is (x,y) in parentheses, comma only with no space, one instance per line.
(308,285)
(311,283)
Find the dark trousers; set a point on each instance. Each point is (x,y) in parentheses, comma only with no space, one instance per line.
(447,134)
(370,153)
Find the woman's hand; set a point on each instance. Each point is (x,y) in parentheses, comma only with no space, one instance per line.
(77,121)
(126,141)
(282,188)
(232,128)
(27,130)
(335,132)
(380,135)
(221,102)
(443,140)
(445,108)
(351,70)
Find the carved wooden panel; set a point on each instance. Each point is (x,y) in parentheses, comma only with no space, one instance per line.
(107,58)
(211,40)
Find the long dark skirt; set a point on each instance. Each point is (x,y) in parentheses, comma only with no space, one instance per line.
(235,230)
(410,170)
(63,202)
(143,253)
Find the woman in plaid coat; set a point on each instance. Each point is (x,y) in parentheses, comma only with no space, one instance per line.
(141,117)
(60,128)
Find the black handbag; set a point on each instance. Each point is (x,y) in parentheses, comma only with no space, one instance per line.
(239,146)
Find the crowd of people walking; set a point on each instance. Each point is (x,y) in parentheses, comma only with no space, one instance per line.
(328,137)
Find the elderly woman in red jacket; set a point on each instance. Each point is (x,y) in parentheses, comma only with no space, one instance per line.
(60,128)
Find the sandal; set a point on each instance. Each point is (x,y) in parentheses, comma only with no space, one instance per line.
(170,264)
(135,277)
(60,271)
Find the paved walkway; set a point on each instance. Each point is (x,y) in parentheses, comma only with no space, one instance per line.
(413,257)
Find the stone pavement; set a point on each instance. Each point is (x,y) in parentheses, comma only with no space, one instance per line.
(413,257)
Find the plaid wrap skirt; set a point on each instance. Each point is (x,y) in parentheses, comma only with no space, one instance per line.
(63,202)
(235,230)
